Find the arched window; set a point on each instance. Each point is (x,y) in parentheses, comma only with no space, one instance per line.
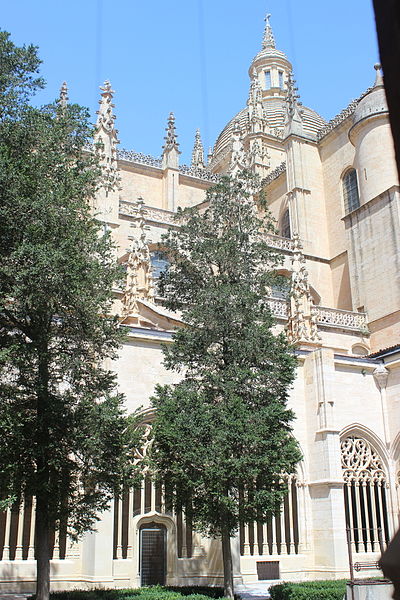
(159,263)
(285,225)
(365,499)
(350,191)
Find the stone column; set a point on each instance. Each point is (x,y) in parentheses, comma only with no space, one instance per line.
(325,478)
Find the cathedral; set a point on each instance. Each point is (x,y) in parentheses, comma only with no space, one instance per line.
(332,188)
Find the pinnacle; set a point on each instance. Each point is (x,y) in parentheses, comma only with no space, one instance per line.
(268,40)
(292,96)
(171,139)
(63,99)
(198,151)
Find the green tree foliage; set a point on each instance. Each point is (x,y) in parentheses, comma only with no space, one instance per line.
(65,438)
(222,437)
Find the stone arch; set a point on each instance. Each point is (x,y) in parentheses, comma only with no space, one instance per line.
(365,474)
(358,429)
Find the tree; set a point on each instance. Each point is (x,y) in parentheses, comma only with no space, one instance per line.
(222,436)
(65,438)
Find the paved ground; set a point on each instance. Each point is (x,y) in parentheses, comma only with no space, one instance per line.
(10,596)
(254,591)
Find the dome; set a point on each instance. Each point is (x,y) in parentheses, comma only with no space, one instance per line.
(275,111)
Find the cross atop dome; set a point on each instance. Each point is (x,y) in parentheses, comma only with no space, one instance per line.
(268,39)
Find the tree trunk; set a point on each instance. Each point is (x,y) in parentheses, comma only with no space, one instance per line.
(42,550)
(227,561)
(42,528)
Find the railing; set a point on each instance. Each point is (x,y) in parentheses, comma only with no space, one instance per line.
(138,157)
(279,307)
(150,213)
(199,173)
(334,317)
(276,241)
(330,317)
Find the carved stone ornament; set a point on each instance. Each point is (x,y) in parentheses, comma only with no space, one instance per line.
(139,274)
(106,138)
(238,157)
(381,375)
(147,441)
(360,463)
(302,325)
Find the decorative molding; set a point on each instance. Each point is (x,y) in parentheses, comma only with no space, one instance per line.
(342,116)
(274,174)
(199,173)
(138,157)
(150,214)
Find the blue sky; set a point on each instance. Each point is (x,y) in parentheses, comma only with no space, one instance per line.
(192,57)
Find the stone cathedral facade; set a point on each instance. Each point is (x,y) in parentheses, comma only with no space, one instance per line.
(334,192)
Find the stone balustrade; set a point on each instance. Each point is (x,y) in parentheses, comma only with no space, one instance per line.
(279,307)
(334,317)
(281,243)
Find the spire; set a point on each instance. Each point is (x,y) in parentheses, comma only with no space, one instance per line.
(268,40)
(106,137)
(63,99)
(198,152)
(171,139)
(170,155)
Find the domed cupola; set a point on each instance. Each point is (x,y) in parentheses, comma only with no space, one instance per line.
(373,104)
(259,128)
(271,65)
(371,137)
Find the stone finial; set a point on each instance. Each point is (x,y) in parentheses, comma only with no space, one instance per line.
(378,77)
(302,326)
(63,99)
(268,39)
(198,152)
(171,139)
(106,117)
(170,155)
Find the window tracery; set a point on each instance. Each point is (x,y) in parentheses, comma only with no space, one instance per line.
(364,494)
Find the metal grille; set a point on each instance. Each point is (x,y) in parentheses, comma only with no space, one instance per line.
(268,569)
(152,556)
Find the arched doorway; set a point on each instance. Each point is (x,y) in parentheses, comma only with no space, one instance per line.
(153,554)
